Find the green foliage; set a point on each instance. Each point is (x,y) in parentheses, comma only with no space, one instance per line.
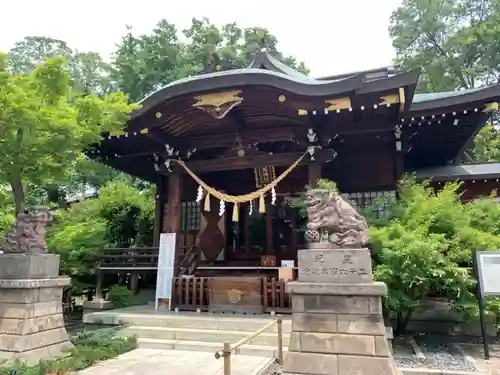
(424,247)
(121,297)
(89,349)
(46,125)
(121,216)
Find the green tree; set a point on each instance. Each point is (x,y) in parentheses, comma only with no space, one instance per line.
(147,62)
(456,43)
(45,124)
(33,50)
(424,247)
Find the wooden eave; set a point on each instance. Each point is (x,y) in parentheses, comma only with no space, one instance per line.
(467,100)
(464,172)
(440,140)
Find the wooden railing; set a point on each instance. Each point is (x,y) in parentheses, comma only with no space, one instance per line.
(126,259)
(275,298)
(192,294)
(229,348)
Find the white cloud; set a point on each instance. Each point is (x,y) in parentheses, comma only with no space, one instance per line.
(332,37)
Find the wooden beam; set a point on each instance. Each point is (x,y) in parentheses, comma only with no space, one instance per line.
(226,140)
(314,173)
(256,161)
(279,134)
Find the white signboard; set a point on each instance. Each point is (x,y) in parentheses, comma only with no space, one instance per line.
(165,268)
(287,264)
(488,271)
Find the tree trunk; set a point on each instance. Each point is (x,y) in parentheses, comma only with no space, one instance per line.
(402,321)
(18,193)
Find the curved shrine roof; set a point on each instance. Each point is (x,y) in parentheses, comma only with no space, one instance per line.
(265,70)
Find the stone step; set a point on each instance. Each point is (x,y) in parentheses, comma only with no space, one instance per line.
(203,335)
(211,347)
(229,323)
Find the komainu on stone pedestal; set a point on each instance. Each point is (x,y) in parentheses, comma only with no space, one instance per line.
(327,211)
(31,319)
(27,235)
(337,323)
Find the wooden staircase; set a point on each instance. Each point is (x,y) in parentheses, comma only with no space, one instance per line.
(188,265)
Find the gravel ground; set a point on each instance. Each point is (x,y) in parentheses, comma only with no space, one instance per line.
(440,353)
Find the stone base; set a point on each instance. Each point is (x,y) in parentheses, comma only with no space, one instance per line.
(96,306)
(337,326)
(31,320)
(29,266)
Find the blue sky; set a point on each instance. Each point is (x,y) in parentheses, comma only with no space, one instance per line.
(334,36)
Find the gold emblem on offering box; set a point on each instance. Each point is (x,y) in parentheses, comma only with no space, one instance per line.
(234,296)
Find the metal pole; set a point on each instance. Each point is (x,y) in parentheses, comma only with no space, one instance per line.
(227,358)
(280,341)
(480,303)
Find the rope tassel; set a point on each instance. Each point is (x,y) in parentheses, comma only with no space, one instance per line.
(206,206)
(236,212)
(262,205)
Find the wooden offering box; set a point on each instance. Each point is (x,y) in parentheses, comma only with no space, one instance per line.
(236,295)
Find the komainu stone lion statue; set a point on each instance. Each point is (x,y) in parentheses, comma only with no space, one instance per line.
(328,211)
(27,235)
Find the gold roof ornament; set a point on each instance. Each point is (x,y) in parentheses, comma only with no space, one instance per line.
(218,104)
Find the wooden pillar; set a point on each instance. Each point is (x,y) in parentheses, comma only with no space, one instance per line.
(134,282)
(247,230)
(269,227)
(98,286)
(173,217)
(174,199)
(314,173)
(159,204)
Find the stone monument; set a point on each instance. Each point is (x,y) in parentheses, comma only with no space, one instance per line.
(337,323)
(31,320)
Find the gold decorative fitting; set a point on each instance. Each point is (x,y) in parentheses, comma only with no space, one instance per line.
(218,68)
(117,133)
(219,104)
(302,112)
(144,131)
(282,98)
(158,114)
(341,103)
(401,99)
(490,107)
(389,99)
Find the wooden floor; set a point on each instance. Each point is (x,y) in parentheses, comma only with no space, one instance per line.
(161,362)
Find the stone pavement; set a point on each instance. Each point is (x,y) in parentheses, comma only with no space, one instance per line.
(176,362)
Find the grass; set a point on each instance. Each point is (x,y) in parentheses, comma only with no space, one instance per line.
(89,348)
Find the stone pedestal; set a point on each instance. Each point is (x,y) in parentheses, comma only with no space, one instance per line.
(96,306)
(31,320)
(337,323)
